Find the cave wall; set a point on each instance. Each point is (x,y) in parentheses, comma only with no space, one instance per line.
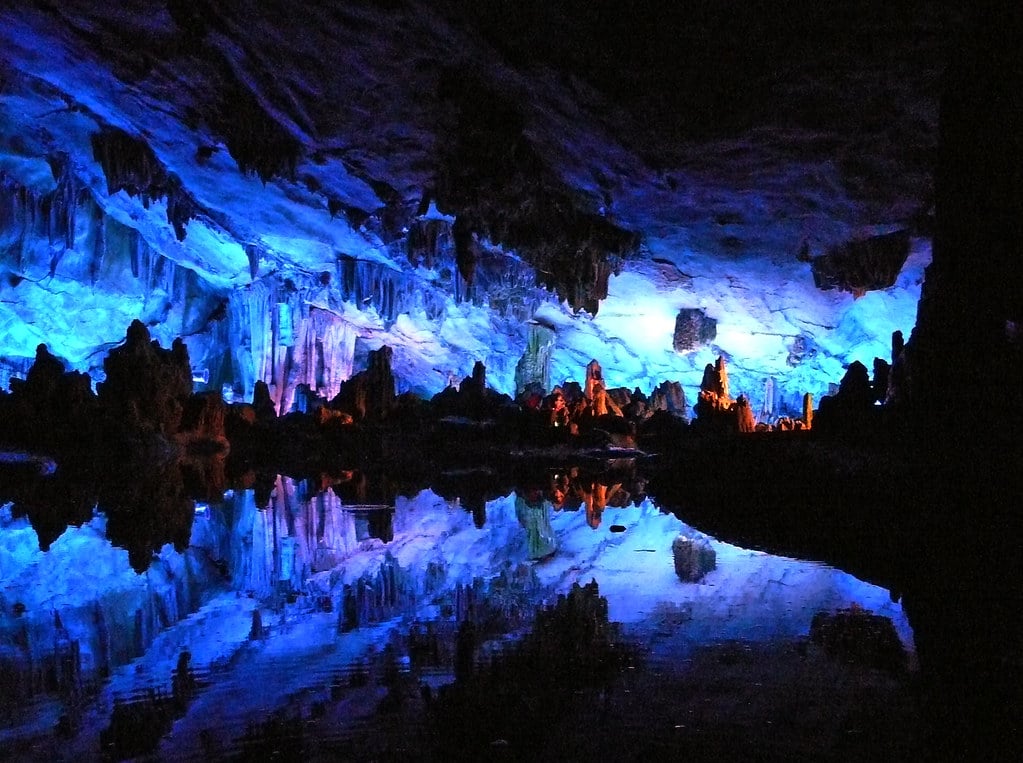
(968,341)
(221,160)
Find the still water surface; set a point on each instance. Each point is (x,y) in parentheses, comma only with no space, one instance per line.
(296,624)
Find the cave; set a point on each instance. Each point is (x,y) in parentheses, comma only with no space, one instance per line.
(371,373)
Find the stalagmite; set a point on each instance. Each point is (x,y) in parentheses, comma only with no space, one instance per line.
(767,411)
(669,396)
(722,372)
(594,378)
(534,367)
(744,415)
(370,393)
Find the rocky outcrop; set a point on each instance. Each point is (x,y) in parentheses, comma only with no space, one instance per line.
(146,386)
(472,397)
(49,408)
(694,558)
(851,410)
(670,397)
(864,265)
(966,340)
(693,329)
(369,395)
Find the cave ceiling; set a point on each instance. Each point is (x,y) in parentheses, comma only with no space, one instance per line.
(438,175)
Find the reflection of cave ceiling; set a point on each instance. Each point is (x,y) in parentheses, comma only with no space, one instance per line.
(266,175)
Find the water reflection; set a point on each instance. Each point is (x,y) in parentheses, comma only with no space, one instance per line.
(299,610)
(146,503)
(534,514)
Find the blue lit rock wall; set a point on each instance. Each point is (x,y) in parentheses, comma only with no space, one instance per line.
(269,191)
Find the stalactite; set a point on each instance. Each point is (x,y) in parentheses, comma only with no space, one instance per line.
(260,330)
(65,200)
(135,248)
(252,252)
(31,221)
(255,139)
(369,284)
(99,248)
(429,239)
(326,352)
(501,282)
(129,164)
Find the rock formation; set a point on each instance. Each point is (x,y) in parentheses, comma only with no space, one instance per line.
(369,395)
(693,329)
(534,367)
(864,265)
(694,558)
(713,406)
(669,396)
(146,385)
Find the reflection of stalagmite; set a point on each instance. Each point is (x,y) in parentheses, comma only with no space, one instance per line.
(377,596)
(595,497)
(534,514)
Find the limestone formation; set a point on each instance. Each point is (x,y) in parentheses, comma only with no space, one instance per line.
(694,558)
(130,165)
(744,415)
(713,398)
(534,367)
(864,265)
(669,396)
(146,385)
(594,378)
(693,329)
(767,410)
(369,395)
(807,411)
